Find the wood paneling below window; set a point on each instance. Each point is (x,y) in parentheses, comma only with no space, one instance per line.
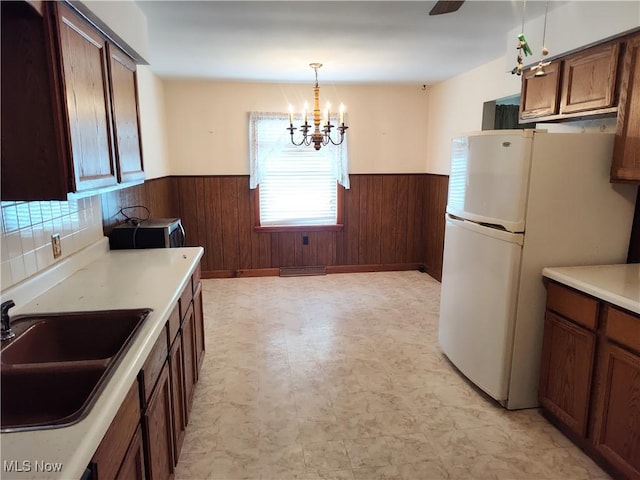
(391,222)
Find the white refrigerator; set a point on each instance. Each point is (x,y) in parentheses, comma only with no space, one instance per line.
(519,201)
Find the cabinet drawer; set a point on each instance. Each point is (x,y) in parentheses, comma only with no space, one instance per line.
(623,328)
(153,366)
(573,305)
(113,448)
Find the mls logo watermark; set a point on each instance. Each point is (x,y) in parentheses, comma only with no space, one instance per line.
(17,466)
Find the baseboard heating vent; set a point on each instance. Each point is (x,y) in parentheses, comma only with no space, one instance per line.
(302,271)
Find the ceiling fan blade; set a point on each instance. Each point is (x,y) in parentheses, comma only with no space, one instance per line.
(445,6)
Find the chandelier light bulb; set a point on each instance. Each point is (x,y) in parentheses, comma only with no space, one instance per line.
(318,137)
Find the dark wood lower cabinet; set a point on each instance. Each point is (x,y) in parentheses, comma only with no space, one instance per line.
(199,324)
(617,428)
(145,438)
(157,422)
(189,356)
(176,362)
(114,450)
(590,377)
(133,465)
(565,389)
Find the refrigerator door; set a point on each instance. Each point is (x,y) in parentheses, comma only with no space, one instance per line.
(489,177)
(478,302)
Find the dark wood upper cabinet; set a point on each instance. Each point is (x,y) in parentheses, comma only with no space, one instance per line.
(626,151)
(589,79)
(32,134)
(83,58)
(69,106)
(539,97)
(126,125)
(603,80)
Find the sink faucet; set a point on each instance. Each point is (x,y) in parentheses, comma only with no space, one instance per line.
(5,332)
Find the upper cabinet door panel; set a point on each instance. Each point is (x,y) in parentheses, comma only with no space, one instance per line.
(84,66)
(125,116)
(626,151)
(30,139)
(589,79)
(540,93)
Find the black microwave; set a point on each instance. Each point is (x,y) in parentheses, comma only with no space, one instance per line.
(151,233)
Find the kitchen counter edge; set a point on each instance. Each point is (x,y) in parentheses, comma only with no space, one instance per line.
(618,285)
(126,275)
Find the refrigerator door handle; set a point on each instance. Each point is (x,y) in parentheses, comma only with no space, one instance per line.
(517,238)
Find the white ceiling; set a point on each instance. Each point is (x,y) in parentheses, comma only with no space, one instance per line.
(357,41)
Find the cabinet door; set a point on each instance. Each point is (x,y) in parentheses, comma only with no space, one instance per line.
(626,150)
(152,368)
(112,450)
(189,357)
(133,465)
(124,107)
(565,371)
(617,428)
(84,67)
(199,324)
(539,97)
(34,160)
(158,424)
(176,363)
(589,79)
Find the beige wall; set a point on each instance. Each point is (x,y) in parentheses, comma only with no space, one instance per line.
(455,107)
(152,124)
(573,25)
(207,124)
(125,19)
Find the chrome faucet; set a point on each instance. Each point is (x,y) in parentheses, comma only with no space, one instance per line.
(5,331)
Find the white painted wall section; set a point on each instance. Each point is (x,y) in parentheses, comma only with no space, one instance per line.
(153,125)
(208,123)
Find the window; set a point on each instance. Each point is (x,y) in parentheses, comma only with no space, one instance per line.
(296,186)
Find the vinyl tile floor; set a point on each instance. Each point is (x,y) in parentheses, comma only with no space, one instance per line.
(341,377)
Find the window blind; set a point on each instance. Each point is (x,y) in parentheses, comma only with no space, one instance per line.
(297,184)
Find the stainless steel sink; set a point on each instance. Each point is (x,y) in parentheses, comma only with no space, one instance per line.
(53,370)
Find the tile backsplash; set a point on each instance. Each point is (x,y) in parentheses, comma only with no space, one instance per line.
(27,228)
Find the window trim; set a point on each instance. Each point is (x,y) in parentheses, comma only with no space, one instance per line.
(337,227)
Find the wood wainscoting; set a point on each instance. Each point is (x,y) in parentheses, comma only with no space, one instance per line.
(158,195)
(391,222)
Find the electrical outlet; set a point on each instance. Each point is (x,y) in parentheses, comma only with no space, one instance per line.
(56,246)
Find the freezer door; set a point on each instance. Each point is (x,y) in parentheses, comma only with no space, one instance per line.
(489,178)
(478,302)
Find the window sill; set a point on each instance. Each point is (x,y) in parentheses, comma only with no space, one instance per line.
(299,228)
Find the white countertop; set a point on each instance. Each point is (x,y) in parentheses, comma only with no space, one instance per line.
(616,284)
(152,278)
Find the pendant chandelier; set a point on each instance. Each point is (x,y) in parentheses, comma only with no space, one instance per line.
(322,126)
